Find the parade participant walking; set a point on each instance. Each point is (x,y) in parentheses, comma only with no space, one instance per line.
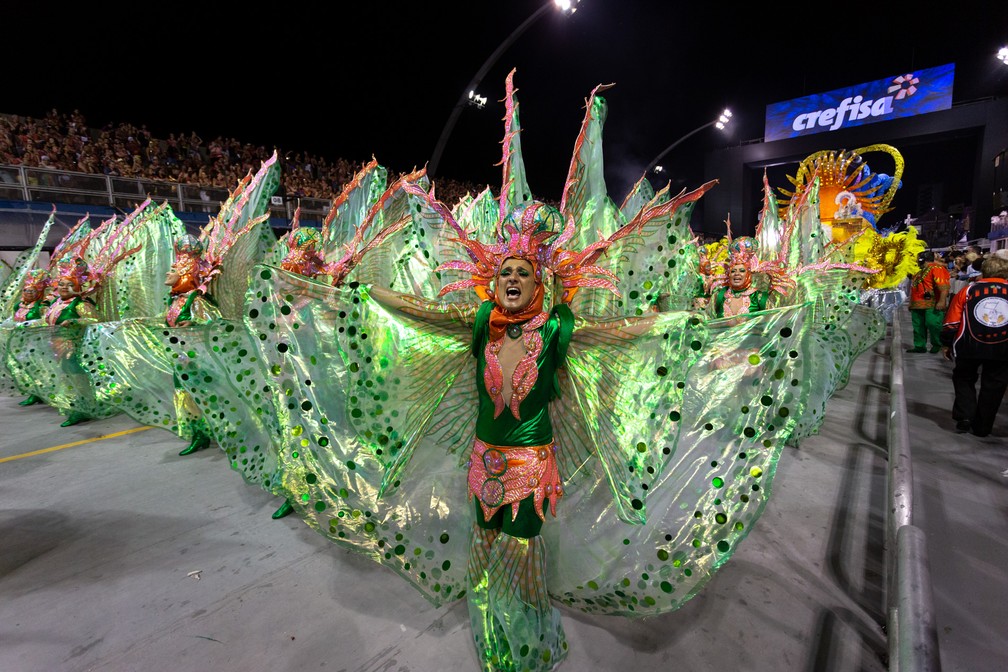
(141,364)
(975,336)
(48,358)
(929,289)
(436,436)
(24,295)
(34,302)
(189,306)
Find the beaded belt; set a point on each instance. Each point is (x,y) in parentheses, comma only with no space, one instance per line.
(500,475)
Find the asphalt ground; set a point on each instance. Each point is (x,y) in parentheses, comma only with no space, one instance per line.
(118,555)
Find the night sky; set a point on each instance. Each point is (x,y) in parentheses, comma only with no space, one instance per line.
(381,79)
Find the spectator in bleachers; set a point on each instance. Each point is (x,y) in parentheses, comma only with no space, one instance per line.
(125,150)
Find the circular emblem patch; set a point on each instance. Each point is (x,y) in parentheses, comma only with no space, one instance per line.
(494,462)
(492,492)
(992,311)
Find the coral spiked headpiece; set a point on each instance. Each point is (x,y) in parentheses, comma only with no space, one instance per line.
(523,234)
(76,271)
(548,237)
(303,256)
(189,264)
(745,251)
(36,279)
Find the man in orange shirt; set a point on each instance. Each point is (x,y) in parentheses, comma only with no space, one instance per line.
(929,297)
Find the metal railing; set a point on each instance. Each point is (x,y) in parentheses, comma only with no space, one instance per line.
(910,618)
(23,183)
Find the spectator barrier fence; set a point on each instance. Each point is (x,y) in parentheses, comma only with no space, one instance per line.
(910,619)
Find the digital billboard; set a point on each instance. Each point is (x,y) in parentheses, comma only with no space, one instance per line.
(903,95)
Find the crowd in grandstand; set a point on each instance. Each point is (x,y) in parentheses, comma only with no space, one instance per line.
(66,142)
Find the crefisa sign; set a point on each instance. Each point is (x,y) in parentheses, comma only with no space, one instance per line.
(904,95)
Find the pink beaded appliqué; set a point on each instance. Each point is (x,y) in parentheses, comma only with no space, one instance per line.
(737,303)
(501,475)
(525,374)
(21,314)
(175,308)
(55,308)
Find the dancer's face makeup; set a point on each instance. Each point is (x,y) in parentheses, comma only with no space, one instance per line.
(737,276)
(66,289)
(515,285)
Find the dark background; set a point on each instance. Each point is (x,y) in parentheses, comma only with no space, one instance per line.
(381,79)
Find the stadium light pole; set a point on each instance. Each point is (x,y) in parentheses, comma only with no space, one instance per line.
(721,122)
(565,6)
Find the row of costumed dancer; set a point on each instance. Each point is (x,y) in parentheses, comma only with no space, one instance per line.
(429,385)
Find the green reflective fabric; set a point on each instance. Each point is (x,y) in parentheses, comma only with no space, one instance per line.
(216,365)
(131,371)
(47,362)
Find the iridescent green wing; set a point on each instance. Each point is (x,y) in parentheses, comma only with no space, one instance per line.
(218,365)
(415,360)
(641,194)
(369,415)
(478,215)
(653,259)
(135,287)
(390,251)
(10,289)
(120,291)
(686,450)
(585,198)
(251,199)
(70,243)
(131,371)
(351,207)
(427,244)
(239,237)
(616,420)
(514,189)
(228,287)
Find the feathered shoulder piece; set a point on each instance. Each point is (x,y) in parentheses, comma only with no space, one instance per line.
(24,274)
(238,215)
(89,260)
(555,240)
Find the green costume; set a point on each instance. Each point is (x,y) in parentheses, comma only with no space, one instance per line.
(753,299)
(389,430)
(14,313)
(82,311)
(511,488)
(47,360)
(190,308)
(33,312)
(148,366)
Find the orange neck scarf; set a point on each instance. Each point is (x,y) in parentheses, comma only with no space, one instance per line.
(500,319)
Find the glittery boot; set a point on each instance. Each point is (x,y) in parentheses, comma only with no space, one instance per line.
(515,627)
